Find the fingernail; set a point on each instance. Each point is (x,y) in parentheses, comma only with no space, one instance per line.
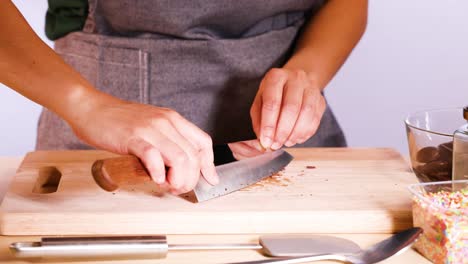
(276,146)
(266,142)
(160,179)
(289,143)
(259,146)
(157,179)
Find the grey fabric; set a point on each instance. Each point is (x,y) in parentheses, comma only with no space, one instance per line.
(205,59)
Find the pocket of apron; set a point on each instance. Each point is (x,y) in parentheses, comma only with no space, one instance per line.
(120,72)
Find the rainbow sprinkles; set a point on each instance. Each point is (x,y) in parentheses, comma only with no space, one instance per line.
(443,215)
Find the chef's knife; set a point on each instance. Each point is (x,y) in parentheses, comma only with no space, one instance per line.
(111,173)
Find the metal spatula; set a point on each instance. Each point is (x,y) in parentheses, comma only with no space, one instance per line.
(157,246)
(376,253)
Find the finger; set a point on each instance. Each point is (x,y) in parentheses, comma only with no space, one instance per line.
(245,149)
(203,144)
(255,143)
(255,112)
(291,106)
(180,157)
(272,91)
(309,117)
(184,168)
(150,157)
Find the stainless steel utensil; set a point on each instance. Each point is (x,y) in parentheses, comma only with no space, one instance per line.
(378,252)
(157,246)
(240,174)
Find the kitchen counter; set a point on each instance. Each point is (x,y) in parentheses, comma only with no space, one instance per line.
(8,167)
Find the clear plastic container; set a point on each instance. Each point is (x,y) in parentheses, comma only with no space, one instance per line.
(441,209)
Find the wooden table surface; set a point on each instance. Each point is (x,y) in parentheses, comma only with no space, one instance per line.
(8,167)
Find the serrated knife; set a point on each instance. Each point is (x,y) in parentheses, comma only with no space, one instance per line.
(112,173)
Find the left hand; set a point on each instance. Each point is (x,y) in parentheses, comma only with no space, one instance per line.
(287,109)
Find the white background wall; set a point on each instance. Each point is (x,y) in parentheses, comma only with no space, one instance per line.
(414,56)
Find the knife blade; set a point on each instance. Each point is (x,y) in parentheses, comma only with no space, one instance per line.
(240,174)
(111,173)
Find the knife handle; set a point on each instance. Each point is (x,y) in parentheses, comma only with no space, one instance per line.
(93,247)
(111,173)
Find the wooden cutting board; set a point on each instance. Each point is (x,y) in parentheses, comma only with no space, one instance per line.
(323,190)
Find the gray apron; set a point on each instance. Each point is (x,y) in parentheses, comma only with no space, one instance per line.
(203,58)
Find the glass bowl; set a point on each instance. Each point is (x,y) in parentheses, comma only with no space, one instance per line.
(430,142)
(441,210)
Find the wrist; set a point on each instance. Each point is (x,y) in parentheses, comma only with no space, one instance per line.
(79,101)
(312,76)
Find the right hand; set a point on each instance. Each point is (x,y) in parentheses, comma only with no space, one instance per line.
(247,149)
(159,137)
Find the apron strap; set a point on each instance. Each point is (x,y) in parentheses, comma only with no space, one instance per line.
(90,23)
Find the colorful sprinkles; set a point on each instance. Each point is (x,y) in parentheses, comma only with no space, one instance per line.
(445,222)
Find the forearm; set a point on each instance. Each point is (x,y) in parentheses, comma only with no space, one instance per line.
(328,39)
(31,68)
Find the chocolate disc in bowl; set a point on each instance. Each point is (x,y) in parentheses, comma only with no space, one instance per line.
(438,170)
(446,151)
(427,154)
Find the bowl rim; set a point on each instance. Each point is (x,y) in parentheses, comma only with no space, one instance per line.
(430,110)
(413,188)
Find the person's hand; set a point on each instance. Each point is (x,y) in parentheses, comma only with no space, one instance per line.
(160,137)
(246,149)
(287,109)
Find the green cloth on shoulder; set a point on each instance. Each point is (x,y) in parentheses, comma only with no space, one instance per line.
(65,16)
